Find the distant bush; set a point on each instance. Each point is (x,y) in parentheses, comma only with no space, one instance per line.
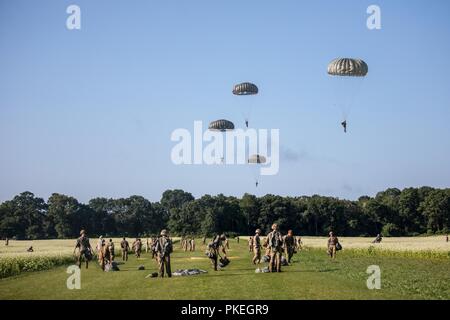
(390,230)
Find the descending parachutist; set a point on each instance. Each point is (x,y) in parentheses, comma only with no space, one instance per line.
(344,124)
(246,123)
(256,184)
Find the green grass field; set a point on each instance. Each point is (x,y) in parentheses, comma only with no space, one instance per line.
(311,276)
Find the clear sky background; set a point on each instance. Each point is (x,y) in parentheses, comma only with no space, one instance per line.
(90,112)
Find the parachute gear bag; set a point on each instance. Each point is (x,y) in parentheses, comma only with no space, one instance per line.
(224,262)
(111,267)
(338,246)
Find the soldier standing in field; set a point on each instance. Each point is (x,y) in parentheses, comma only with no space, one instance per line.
(99,244)
(192,244)
(84,249)
(6,241)
(137,247)
(164,249)
(154,243)
(250,244)
(332,242)
(125,247)
(257,247)
(289,245)
(111,250)
(275,242)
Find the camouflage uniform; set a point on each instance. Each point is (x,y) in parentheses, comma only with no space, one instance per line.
(84,249)
(111,250)
(164,249)
(154,243)
(137,246)
(250,244)
(275,243)
(213,252)
(256,249)
(332,242)
(224,244)
(289,246)
(125,247)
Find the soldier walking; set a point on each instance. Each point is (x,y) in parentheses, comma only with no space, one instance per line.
(289,245)
(164,249)
(275,243)
(332,242)
(111,250)
(125,247)
(84,249)
(137,247)
(257,247)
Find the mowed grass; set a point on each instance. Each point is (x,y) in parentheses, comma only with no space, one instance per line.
(311,276)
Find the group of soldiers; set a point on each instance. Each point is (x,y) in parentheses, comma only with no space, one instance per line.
(161,247)
(187,244)
(275,245)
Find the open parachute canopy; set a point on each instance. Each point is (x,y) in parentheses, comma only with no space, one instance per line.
(221,125)
(256,158)
(245,89)
(348,67)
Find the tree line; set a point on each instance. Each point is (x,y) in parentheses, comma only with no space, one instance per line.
(393,212)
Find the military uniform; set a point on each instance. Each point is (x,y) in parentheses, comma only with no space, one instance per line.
(111,251)
(164,249)
(84,249)
(224,244)
(154,243)
(289,246)
(213,252)
(137,246)
(332,242)
(275,243)
(250,244)
(256,249)
(125,247)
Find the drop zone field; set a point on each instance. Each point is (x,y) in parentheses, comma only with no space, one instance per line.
(411,268)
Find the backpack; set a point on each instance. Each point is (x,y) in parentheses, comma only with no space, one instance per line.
(275,240)
(338,246)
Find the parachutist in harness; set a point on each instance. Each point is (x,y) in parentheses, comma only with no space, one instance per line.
(246,123)
(256,183)
(344,124)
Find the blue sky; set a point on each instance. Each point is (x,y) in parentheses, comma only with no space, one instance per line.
(90,112)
